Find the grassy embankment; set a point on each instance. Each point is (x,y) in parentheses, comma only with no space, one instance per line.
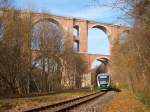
(19,104)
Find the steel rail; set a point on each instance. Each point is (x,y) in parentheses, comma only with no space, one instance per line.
(64,105)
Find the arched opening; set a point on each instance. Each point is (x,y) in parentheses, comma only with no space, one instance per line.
(100,60)
(104,59)
(46,34)
(76,31)
(98,67)
(76,45)
(98,41)
(47,37)
(95,64)
(75,35)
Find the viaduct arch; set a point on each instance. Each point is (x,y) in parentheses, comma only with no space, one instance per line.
(67,24)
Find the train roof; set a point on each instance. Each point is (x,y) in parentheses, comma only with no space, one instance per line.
(103,74)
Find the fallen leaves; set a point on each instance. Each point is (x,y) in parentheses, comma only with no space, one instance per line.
(125,102)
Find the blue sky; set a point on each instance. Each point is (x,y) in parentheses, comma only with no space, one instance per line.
(76,8)
(82,9)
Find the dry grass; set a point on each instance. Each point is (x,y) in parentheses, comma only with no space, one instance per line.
(19,104)
(125,102)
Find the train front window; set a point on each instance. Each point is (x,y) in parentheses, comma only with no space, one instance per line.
(103,78)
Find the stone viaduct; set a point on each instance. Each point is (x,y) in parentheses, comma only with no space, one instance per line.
(67,24)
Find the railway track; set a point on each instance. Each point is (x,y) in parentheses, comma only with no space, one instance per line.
(65,105)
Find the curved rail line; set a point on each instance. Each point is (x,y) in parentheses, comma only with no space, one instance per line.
(66,104)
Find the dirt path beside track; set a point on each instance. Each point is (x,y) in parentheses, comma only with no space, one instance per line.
(125,101)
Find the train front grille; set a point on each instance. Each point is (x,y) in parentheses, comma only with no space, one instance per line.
(103,85)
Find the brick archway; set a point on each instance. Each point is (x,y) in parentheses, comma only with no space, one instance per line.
(51,20)
(67,24)
(98,35)
(101,27)
(90,58)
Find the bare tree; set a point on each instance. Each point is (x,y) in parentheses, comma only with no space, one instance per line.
(20,72)
(50,46)
(74,67)
(133,54)
(14,62)
(6,4)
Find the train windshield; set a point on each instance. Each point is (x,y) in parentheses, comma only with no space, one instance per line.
(103,78)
